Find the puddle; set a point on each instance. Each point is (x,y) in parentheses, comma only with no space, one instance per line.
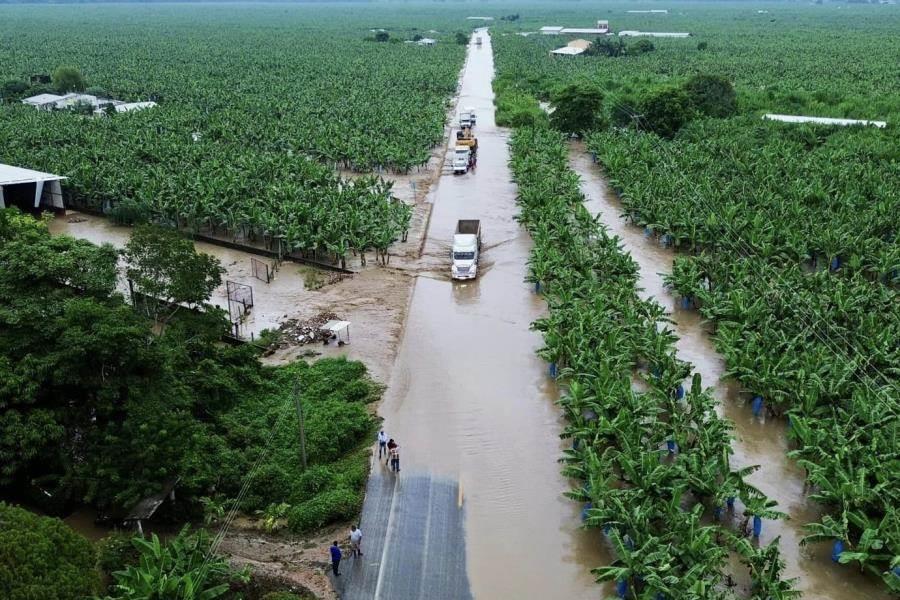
(756,442)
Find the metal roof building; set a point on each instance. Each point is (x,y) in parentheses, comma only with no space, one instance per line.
(584,31)
(654,34)
(551,30)
(822,120)
(30,190)
(45,101)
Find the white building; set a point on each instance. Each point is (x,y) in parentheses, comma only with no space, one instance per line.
(822,120)
(30,190)
(54,101)
(43,101)
(427,42)
(551,30)
(659,34)
(583,31)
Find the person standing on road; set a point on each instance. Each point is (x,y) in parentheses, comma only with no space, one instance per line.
(390,448)
(395,459)
(355,541)
(382,443)
(336,559)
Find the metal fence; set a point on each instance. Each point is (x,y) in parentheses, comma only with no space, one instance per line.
(240,301)
(261,270)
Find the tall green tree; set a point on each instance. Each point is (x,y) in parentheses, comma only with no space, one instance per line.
(165,266)
(68,79)
(577,108)
(712,95)
(665,111)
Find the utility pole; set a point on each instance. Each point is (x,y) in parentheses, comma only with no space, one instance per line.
(299,406)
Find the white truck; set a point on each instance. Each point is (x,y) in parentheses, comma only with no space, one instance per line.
(462,159)
(467,118)
(466,249)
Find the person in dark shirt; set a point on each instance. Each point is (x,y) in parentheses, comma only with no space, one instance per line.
(336,559)
(390,447)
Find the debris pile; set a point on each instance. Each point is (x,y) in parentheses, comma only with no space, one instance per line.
(295,332)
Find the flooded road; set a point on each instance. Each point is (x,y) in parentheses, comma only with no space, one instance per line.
(470,401)
(757,442)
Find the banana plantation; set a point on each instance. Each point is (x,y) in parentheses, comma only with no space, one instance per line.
(651,459)
(255,110)
(785,240)
(790,250)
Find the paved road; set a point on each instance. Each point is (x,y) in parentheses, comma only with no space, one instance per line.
(414,541)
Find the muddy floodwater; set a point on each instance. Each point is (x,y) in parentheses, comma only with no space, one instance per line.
(470,401)
(757,442)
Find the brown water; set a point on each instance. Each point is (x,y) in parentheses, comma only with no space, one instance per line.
(757,442)
(470,400)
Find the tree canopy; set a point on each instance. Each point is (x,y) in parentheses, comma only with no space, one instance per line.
(606,46)
(42,557)
(165,266)
(98,406)
(68,79)
(712,95)
(577,108)
(664,111)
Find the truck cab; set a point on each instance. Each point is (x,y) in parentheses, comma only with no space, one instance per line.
(466,119)
(466,249)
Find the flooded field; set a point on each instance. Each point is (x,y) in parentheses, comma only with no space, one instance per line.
(469,400)
(374,301)
(757,441)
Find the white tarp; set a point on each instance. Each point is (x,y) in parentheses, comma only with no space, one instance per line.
(822,120)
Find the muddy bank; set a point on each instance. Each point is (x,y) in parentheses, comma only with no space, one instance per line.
(757,441)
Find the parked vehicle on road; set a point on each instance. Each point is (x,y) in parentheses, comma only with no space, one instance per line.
(467,118)
(463,159)
(466,249)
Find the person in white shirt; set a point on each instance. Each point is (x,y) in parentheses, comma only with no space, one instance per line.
(382,443)
(355,540)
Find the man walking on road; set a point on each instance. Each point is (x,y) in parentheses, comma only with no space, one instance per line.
(355,541)
(395,459)
(390,448)
(336,559)
(382,443)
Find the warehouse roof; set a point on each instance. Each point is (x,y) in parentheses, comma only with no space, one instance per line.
(821,120)
(10,175)
(567,51)
(42,99)
(654,34)
(586,30)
